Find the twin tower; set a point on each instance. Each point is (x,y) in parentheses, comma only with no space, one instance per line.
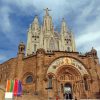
(45,37)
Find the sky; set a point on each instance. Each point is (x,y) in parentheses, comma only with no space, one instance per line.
(82,17)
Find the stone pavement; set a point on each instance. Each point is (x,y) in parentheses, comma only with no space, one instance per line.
(29,97)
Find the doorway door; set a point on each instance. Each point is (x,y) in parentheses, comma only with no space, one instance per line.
(67,91)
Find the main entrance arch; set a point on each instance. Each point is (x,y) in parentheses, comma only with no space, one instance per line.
(67,76)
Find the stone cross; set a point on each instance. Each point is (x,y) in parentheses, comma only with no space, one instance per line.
(47,11)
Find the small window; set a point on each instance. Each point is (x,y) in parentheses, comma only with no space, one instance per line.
(85,84)
(21,49)
(29,79)
(35,46)
(32,36)
(50,83)
(68,48)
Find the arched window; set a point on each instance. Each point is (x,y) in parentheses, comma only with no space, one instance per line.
(58,45)
(35,47)
(29,79)
(68,48)
(85,84)
(50,82)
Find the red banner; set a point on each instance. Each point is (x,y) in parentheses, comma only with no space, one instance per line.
(15,90)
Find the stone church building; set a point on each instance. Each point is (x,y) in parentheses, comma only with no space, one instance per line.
(50,67)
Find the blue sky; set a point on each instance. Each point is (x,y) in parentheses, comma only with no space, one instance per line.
(82,17)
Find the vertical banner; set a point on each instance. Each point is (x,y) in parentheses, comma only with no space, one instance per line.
(8,93)
(11,85)
(8,86)
(19,88)
(15,90)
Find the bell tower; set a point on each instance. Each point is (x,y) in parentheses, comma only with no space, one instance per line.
(44,36)
(47,22)
(67,38)
(35,34)
(19,68)
(21,48)
(33,39)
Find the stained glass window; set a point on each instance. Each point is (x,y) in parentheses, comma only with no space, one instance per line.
(29,79)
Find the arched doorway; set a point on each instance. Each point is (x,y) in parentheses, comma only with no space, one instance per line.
(68,74)
(68,91)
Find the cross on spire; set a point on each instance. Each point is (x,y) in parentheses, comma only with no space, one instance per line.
(47,11)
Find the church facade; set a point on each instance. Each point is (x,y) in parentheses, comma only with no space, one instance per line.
(51,67)
(45,37)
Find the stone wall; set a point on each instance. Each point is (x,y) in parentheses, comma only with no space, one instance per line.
(36,65)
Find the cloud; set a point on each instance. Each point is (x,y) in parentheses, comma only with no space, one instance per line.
(6,23)
(59,7)
(4,19)
(89,32)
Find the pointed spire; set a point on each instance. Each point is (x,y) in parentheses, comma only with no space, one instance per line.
(29,30)
(47,22)
(52,28)
(35,24)
(63,22)
(63,26)
(41,29)
(73,41)
(93,50)
(36,20)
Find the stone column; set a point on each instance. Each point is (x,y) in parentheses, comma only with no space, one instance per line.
(19,69)
(40,71)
